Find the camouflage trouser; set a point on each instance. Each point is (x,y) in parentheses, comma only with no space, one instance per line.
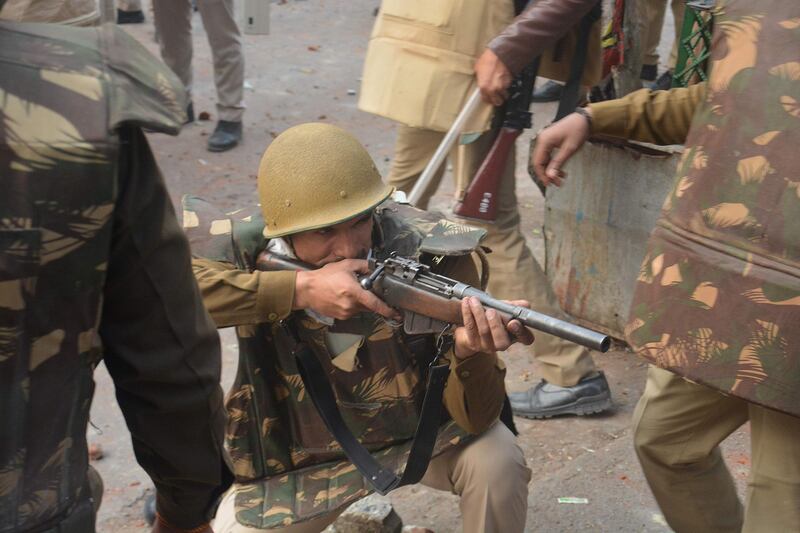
(515,273)
(678,426)
(489,473)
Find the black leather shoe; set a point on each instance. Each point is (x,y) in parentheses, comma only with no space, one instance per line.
(226,135)
(149,509)
(549,92)
(129,17)
(663,83)
(649,72)
(591,395)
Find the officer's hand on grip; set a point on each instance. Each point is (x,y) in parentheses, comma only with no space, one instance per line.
(162,526)
(484,331)
(493,78)
(334,291)
(567,136)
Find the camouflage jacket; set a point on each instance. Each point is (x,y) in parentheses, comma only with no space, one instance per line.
(718,296)
(63,94)
(288,466)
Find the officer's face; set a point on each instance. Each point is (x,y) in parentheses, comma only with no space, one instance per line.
(349,240)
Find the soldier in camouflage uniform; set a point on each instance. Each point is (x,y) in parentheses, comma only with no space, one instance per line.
(324,203)
(94,265)
(717,303)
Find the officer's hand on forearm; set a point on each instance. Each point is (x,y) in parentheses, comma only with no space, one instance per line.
(493,78)
(333,291)
(484,331)
(162,526)
(567,136)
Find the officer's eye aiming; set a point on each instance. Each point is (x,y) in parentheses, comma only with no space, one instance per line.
(358,221)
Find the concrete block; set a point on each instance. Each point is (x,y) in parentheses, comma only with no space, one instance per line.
(373,514)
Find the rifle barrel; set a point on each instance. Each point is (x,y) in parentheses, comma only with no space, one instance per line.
(539,321)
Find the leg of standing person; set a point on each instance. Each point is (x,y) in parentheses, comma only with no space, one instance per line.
(678,8)
(678,426)
(413,148)
(654,11)
(491,477)
(225,40)
(173,22)
(773,492)
(129,12)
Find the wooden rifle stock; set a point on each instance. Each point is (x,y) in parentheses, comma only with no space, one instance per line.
(480,200)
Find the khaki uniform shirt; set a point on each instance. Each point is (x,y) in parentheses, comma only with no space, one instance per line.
(659,117)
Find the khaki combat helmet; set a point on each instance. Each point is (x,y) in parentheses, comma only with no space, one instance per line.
(316,175)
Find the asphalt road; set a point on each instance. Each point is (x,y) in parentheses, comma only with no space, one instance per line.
(304,71)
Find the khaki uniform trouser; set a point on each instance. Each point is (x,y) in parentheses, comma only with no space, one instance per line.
(654,11)
(488,473)
(173,21)
(515,274)
(678,426)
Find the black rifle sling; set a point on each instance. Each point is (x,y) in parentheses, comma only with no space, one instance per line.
(571,95)
(319,389)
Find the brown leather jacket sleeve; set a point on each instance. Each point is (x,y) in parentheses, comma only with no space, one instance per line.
(536,29)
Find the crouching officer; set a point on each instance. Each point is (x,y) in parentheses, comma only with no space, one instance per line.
(323,203)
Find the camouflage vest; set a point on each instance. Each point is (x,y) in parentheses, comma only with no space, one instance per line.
(718,296)
(288,467)
(61,99)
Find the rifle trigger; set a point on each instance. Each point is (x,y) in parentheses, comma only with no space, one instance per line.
(367,282)
(444,341)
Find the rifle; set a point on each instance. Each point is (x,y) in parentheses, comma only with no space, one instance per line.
(472,105)
(430,301)
(480,200)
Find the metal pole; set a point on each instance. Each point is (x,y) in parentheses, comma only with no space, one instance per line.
(108,11)
(444,148)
